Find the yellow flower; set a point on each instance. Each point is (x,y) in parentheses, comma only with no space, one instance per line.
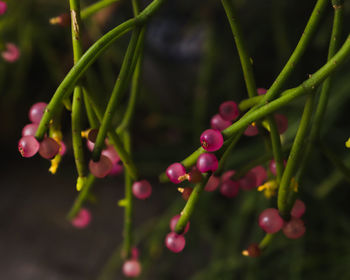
(269,188)
(347,143)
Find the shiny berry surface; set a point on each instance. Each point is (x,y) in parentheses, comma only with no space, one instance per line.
(217,122)
(174,221)
(295,228)
(49,148)
(207,162)
(100,168)
(131,268)
(28,146)
(298,209)
(175,242)
(229,188)
(142,189)
(36,112)
(30,129)
(212,184)
(211,140)
(270,220)
(229,110)
(175,172)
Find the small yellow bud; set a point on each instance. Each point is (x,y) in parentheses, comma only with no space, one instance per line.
(80,183)
(347,143)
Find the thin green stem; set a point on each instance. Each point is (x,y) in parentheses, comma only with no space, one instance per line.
(94,8)
(266,240)
(119,88)
(190,205)
(92,118)
(66,86)
(248,103)
(294,158)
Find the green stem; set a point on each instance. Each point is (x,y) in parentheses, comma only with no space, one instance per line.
(334,44)
(266,240)
(294,160)
(248,103)
(190,205)
(92,118)
(94,8)
(119,88)
(87,59)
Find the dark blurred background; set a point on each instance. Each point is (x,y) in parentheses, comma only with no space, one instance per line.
(190,67)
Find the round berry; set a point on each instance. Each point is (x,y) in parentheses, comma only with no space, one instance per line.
(253,250)
(116,170)
(212,183)
(260,174)
(141,189)
(82,219)
(36,112)
(217,122)
(294,229)
(111,153)
(29,129)
(175,242)
(298,209)
(186,193)
(270,220)
(282,123)
(229,110)
(261,91)
(12,52)
(92,135)
(135,253)
(3,7)
(195,176)
(49,148)
(28,146)
(248,181)
(100,168)
(176,172)
(227,175)
(229,188)
(207,162)
(251,130)
(174,221)
(272,166)
(132,268)
(211,140)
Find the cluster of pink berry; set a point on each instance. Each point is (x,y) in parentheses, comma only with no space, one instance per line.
(132,267)
(173,241)
(271,222)
(28,145)
(9,51)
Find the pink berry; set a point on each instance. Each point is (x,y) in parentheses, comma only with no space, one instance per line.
(90,145)
(174,221)
(229,188)
(261,91)
(63,148)
(36,112)
(11,54)
(141,189)
(29,129)
(251,130)
(82,219)
(254,250)
(207,162)
(49,148)
(195,176)
(175,242)
(132,268)
(260,174)
(211,140)
(272,166)
(186,193)
(229,110)
(270,220)
(116,170)
(111,153)
(217,122)
(175,172)
(227,175)
(282,123)
(212,183)
(294,229)
(248,181)
(135,253)
(28,146)
(3,7)
(100,168)
(298,209)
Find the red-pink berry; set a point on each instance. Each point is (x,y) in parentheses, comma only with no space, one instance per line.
(248,181)
(36,112)
(272,166)
(49,148)
(175,242)
(82,219)
(229,188)
(111,153)
(176,172)
(229,110)
(131,268)
(270,220)
(281,122)
(260,174)
(28,146)
(135,253)
(90,145)
(195,176)
(227,175)
(186,193)
(251,130)
(217,122)
(212,183)
(116,170)
(207,162)
(63,148)
(298,209)
(211,140)
(29,129)
(11,54)
(261,91)
(174,221)
(100,168)
(295,228)
(142,189)
(3,7)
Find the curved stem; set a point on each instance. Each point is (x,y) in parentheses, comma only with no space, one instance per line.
(266,240)
(94,8)
(87,59)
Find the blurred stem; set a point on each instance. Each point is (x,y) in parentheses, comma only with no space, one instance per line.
(94,8)
(119,87)
(334,44)
(66,86)
(190,205)
(241,47)
(266,240)
(295,155)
